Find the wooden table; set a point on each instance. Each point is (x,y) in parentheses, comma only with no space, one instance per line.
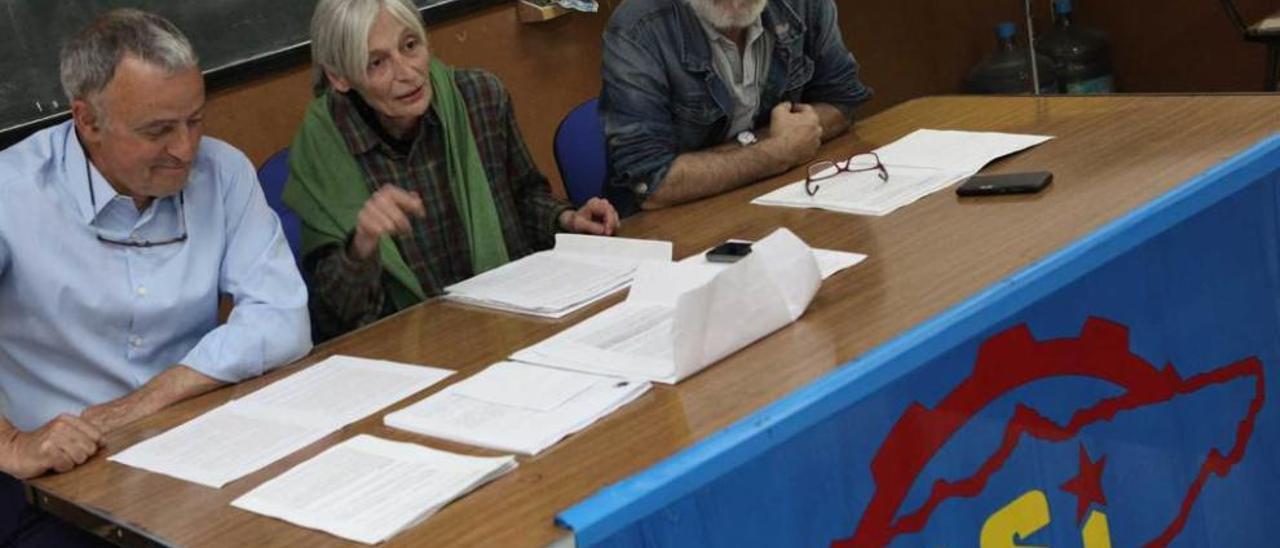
(1111,155)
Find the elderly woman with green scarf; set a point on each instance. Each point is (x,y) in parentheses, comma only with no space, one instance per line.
(409,175)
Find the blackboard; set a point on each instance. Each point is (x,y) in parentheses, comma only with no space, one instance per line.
(231,37)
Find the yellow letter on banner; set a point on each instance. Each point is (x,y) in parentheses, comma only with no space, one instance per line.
(1018,520)
(1097,533)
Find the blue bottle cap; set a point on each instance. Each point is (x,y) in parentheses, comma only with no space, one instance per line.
(1006,30)
(1061,6)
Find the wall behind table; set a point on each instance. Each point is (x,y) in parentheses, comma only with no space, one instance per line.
(914,48)
(1188,45)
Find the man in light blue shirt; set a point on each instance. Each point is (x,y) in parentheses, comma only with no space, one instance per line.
(119,230)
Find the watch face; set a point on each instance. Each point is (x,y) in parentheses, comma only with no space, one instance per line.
(746,138)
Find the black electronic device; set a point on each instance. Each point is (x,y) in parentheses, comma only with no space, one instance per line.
(729,252)
(1005,183)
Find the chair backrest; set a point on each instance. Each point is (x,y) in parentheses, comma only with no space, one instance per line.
(273,173)
(580,153)
(1233,14)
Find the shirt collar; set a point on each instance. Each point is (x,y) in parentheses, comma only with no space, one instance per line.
(778,19)
(80,173)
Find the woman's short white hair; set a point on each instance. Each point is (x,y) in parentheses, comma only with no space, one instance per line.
(340,34)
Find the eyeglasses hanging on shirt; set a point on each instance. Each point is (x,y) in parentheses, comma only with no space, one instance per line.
(135,242)
(826,169)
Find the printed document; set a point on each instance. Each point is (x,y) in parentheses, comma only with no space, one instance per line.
(367,489)
(225,444)
(244,435)
(345,388)
(919,164)
(680,318)
(579,271)
(517,407)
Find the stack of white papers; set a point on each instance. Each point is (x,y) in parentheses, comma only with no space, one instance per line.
(244,435)
(919,164)
(367,489)
(682,317)
(517,407)
(579,271)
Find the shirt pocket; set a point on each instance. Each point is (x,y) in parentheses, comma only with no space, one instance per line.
(799,74)
(695,117)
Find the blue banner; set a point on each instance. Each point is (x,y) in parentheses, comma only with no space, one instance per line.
(1114,394)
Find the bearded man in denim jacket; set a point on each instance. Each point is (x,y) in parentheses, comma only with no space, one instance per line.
(703,96)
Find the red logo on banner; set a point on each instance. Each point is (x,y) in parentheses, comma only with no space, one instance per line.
(1013,359)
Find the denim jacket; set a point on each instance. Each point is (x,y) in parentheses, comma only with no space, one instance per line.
(662,97)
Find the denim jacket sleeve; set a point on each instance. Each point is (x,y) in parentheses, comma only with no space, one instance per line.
(835,72)
(636,114)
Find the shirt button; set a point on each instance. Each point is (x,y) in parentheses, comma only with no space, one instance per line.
(142,291)
(135,341)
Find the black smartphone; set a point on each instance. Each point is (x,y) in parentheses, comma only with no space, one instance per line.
(1005,183)
(729,252)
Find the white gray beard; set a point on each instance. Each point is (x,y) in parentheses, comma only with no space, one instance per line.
(722,19)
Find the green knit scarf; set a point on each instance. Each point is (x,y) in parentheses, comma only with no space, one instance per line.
(322,187)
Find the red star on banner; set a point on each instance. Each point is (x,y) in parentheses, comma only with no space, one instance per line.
(1087,485)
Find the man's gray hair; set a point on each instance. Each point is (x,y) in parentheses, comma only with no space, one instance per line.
(340,35)
(89,59)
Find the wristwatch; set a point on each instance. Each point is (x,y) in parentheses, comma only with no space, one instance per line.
(746,138)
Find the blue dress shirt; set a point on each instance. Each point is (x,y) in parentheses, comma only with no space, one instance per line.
(83,321)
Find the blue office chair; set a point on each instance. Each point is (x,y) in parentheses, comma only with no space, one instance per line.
(580,153)
(273,173)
